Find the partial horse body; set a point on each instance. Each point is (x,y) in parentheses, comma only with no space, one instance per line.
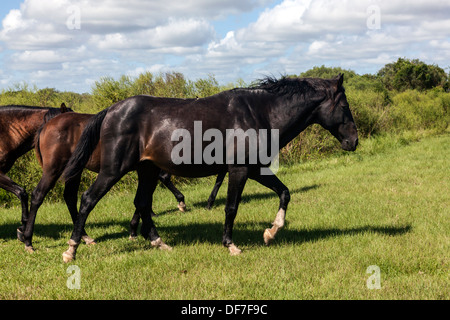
(55,143)
(18,127)
(137,134)
(215,190)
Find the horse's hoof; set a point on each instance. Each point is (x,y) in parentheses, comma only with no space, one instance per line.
(158,243)
(20,236)
(182,206)
(268,236)
(68,257)
(234,251)
(29,249)
(88,240)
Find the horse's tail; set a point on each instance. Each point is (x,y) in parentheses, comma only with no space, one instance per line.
(51,113)
(37,147)
(85,147)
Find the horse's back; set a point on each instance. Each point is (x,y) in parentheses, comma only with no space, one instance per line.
(60,135)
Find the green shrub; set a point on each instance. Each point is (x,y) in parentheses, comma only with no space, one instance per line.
(405,74)
(369,111)
(108,91)
(413,110)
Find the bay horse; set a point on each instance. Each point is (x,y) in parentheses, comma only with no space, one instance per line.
(138,134)
(18,127)
(55,142)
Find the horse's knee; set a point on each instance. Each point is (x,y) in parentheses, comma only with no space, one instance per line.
(36,198)
(230,210)
(22,195)
(141,204)
(87,204)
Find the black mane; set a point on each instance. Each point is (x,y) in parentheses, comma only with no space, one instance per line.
(16,108)
(289,86)
(51,112)
(22,107)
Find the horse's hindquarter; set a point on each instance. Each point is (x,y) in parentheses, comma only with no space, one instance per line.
(59,138)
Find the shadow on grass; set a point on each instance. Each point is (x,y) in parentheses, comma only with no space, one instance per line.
(220,201)
(8,231)
(245,234)
(252,234)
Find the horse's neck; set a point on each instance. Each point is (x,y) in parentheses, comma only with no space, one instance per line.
(291,116)
(28,124)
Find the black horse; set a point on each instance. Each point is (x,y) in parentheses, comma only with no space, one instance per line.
(138,134)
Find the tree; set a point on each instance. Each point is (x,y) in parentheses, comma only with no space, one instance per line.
(328,73)
(407,74)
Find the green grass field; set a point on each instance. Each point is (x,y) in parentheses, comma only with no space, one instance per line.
(387,208)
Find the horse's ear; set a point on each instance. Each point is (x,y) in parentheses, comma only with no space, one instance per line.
(339,81)
(63,108)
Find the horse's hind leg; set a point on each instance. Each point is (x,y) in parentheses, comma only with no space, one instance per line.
(70,197)
(134,224)
(164,177)
(10,186)
(148,179)
(273,183)
(46,183)
(166,180)
(89,199)
(237,178)
(215,190)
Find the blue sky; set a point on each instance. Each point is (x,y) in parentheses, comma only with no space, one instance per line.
(7,5)
(70,44)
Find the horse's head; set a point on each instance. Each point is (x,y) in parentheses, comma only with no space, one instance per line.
(334,115)
(64,109)
(53,112)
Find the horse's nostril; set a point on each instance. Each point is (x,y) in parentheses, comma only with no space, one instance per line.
(349,145)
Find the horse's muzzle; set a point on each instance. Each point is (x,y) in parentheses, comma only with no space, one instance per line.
(349,144)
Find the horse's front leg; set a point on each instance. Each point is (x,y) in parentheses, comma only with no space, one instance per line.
(237,179)
(273,183)
(165,178)
(10,186)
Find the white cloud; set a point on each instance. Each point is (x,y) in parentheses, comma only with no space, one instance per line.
(111,16)
(21,33)
(123,37)
(175,34)
(304,33)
